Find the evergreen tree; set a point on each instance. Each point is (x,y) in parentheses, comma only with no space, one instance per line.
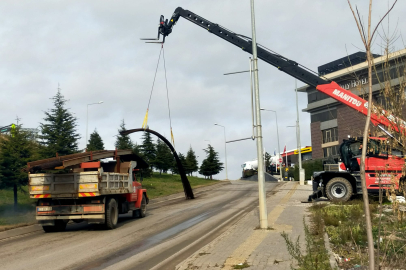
(137,150)
(16,150)
(267,160)
(58,133)
(95,142)
(174,167)
(148,149)
(123,142)
(211,165)
(191,162)
(164,158)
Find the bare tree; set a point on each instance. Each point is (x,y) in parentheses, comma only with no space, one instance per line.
(367,41)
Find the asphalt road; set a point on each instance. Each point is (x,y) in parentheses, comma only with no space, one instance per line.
(171,231)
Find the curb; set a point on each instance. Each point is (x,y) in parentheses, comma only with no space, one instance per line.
(180,195)
(20,231)
(333,262)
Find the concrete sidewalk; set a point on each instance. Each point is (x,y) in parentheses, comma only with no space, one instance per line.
(260,249)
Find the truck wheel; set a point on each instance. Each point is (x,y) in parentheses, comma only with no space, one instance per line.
(140,213)
(60,226)
(339,189)
(111,213)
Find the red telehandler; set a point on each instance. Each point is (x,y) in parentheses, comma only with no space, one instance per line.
(336,185)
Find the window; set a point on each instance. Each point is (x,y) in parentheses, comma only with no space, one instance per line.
(316,96)
(324,116)
(330,151)
(330,135)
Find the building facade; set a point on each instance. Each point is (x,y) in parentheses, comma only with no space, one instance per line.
(332,121)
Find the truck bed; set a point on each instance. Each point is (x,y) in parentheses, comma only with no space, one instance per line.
(80,184)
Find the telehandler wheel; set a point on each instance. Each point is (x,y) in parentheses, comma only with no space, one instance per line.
(111,214)
(339,189)
(140,213)
(60,226)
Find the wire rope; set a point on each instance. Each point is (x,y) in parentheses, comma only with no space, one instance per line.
(167,97)
(144,123)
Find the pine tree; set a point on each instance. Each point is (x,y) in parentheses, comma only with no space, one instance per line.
(58,133)
(95,142)
(174,167)
(148,149)
(267,160)
(211,165)
(137,150)
(16,150)
(123,142)
(191,162)
(163,160)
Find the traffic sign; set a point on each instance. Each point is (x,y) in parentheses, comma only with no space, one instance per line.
(280,160)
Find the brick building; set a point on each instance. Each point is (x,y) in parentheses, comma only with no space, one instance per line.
(331,121)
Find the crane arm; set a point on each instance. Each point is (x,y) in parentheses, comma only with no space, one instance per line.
(282,63)
(378,116)
(292,68)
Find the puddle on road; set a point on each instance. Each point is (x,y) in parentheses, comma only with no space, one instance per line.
(150,241)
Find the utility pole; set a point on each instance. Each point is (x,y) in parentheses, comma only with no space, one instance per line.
(263,215)
(301,171)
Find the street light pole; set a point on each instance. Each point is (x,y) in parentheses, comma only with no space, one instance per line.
(263,215)
(225,147)
(277,135)
(87,119)
(301,173)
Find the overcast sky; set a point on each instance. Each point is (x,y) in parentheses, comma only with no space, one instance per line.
(92,49)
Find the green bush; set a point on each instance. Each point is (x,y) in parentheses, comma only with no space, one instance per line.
(309,166)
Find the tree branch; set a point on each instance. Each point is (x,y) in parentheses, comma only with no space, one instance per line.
(358,24)
(362,26)
(373,33)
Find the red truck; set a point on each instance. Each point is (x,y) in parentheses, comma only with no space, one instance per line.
(94,186)
(338,185)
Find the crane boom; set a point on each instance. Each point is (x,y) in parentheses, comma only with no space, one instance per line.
(282,63)
(292,68)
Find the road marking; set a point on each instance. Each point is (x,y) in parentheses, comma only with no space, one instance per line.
(241,253)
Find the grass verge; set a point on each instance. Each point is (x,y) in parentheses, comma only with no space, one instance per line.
(345,226)
(160,185)
(25,212)
(313,255)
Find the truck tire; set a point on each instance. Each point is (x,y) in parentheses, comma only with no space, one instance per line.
(60,226)
(140,213)
(111,214)
(339,189)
